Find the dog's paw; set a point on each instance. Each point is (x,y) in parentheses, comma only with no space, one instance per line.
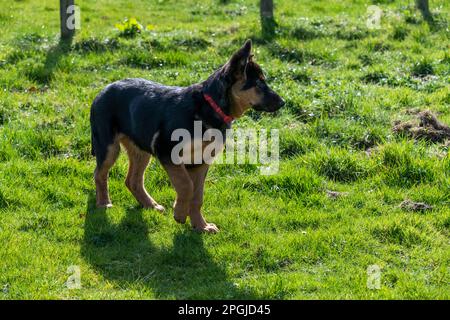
(159,208)
(104,205)
(180,218)
(180,211)
(154,206)
(207,228)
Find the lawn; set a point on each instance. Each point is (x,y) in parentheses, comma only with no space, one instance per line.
(284,236)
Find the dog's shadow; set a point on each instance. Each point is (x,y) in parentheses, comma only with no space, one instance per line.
(123,254)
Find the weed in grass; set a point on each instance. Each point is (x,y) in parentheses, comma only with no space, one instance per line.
(422,68)
(129,27)
(342,166)
(400,33)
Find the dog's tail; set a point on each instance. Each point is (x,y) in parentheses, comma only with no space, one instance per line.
(102,124)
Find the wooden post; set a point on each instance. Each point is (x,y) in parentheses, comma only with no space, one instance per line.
(424,8)
(267,18)
(67,29)
(266,7)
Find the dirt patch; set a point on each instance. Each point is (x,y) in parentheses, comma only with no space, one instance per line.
(428,128)
(372,151)
(447,144)
(335,194)
(410,205)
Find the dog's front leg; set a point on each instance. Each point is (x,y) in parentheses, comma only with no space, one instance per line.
(184,188)
(198,176)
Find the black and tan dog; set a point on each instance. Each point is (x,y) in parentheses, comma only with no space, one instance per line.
(142,115)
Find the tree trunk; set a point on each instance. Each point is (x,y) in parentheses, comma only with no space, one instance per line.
(266,9)
(67,27)
(267,18)
(424,8)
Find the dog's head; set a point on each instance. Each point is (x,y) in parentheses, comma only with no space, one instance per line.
(240,84)
(249,87)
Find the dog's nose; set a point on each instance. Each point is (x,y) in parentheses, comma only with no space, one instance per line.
(282,102)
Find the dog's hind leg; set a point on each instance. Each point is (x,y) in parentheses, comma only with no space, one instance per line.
(138,162)
(105,160)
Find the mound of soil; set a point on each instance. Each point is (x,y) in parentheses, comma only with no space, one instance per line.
(336,194)
(428,128)
(410,205)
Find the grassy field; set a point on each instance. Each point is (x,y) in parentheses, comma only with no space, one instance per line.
(282,236)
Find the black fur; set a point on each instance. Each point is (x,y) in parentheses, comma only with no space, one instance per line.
(140,108)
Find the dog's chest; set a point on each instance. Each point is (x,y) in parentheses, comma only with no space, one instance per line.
(199,150)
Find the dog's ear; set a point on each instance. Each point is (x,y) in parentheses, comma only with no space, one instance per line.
(238,63)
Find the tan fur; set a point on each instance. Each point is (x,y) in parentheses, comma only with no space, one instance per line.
(242,100)
(198,222)
(189,185)
(215,147)
(184,188)
(101,176)
(138,162)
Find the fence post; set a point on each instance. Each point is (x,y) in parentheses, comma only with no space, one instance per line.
(267,19)
(424,8)
(67,32)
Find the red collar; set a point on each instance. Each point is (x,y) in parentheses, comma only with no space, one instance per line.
(227,119)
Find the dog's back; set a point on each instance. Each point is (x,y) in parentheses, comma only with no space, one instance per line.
(134,107)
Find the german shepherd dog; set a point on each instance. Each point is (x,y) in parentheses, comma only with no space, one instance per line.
(142,115)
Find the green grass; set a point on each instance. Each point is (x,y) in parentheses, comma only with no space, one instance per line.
(281,236)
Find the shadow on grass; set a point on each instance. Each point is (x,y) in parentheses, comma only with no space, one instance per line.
(123,254)
(268,28)
(54,54)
